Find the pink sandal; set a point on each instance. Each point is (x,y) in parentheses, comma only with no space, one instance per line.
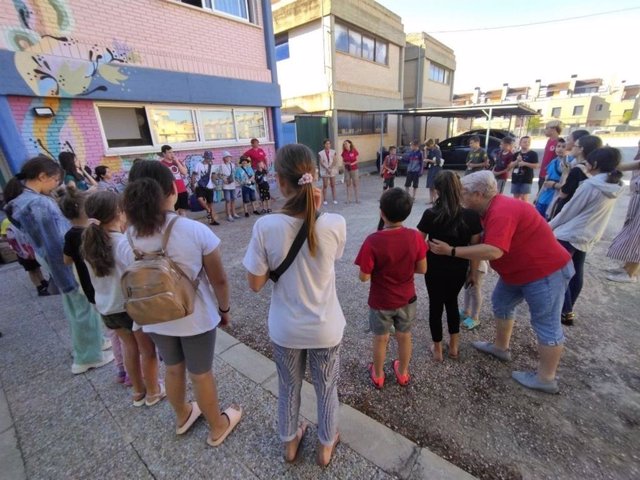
(403,380)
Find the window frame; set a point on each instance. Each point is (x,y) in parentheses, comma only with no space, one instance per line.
(196,110)
(155,135)
(362,33)
(553,109)
(252,17)
(434,71)
(575,113)
(362,120)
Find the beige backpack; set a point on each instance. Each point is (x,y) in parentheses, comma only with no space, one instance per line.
(155,288)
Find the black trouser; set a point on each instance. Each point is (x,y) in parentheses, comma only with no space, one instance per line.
(443,292)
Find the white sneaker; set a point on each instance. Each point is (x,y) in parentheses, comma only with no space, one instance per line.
(335,202)
(622,277)
(325,203)
(107,357)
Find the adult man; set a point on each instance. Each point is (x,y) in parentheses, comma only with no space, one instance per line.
(415,167)
(204,186)
(513,234)
(477,158)
(552,130)
(178,169)
(256,154)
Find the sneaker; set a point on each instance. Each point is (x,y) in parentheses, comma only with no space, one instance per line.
(567,318)
(151,400)
(622,277)
(255,212)
(214,223)
(490,348)
(235,215)
(246,214)
(107,357)
(531,380)
(230,218)
(335,202)
(469,323)
(42,291)
(325,203)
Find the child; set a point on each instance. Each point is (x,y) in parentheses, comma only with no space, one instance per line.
(477,158)
(390,258)
(503,162)
(246,178)
(525,162)
(26,257)
(415,167)
(389,169)
(556,170)
(107,253)
(263,187)
(433,159)
(227,172)
(470,314)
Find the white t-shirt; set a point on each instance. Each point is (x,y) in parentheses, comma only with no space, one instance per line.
(304,311)
(201,171)
(227,171)
(188,243)
(109,298)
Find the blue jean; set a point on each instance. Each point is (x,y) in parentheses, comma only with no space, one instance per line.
(544,297)
(575,285)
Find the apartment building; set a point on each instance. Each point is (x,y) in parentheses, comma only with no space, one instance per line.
(114,81)
(429,69)
(337,60)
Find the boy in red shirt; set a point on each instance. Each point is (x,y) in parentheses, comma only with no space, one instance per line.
(390,258)
(389,168)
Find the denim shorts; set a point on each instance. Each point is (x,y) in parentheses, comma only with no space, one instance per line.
(545,298)
(401,319)
(229,195)
(520,188)
(248,195)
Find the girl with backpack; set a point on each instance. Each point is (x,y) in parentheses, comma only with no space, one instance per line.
(107,253)
(36,214)
(186,343)
(311,323)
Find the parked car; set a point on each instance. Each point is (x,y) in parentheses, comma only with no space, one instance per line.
(455,149)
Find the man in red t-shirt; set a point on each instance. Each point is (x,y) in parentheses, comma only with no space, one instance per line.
(256,154)
(390,258)
(532,266)
(552,130)
(178,169)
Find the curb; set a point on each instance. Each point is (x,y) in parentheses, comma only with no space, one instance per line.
(374,441)
(10,454)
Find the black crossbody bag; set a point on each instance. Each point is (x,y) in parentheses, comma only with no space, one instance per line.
(301,237)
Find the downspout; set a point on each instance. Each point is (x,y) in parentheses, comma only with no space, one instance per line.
(270,46)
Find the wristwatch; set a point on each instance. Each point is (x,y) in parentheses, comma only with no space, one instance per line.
(453,251)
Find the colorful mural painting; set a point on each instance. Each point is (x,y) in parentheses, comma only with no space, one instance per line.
(42,57)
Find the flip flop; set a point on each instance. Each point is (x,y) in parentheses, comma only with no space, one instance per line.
(193,416)
(333,449)
(403,380)
(234,415)
(378,382)
(302,429)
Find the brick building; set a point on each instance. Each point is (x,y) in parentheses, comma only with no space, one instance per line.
(115,80)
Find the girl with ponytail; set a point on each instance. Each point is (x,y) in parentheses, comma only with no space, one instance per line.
(35,213)
(305,317)
(107,253)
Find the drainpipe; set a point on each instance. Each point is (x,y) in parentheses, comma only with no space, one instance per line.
(270,46)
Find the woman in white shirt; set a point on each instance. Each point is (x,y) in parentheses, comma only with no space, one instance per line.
(305,317)
(186,343)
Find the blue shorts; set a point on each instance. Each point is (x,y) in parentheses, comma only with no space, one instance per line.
(520,188)
(545,298)
(248,195)
(229,195)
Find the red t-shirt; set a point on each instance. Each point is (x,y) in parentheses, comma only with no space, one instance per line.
(531,251)
(350,157)
(390,257)
(549,154)
(256,155)
(177,176)
(391,162)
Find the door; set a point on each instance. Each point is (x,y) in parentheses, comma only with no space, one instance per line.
(312,131)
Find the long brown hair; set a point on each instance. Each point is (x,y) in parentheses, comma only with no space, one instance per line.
(292,162)
(448,206)
(96,246)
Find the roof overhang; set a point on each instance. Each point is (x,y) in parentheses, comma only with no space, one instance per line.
(471,111)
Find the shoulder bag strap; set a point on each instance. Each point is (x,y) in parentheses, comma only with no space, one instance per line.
(301,237)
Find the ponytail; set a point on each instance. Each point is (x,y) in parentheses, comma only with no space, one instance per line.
(606,160)
(310,218)
(102,208)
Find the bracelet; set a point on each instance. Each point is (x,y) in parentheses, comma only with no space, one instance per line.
(224,311)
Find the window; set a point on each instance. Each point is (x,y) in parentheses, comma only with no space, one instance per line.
(217,125)
(125,127)
(359,44)
(578,109)
(599,107)
(555,112)
(358,123)
(282,46)
(236,8)
(172,125)
(439,74)
(250,123)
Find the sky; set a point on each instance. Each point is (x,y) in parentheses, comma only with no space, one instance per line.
(602,46)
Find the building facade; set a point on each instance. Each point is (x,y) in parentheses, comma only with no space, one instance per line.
(115,81)
(429,70)
(336,61)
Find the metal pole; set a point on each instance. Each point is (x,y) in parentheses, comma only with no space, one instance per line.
(486,140)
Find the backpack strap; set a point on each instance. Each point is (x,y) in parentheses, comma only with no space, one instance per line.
(301,237)
(167,233)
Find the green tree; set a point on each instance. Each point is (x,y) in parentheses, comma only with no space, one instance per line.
(534,123)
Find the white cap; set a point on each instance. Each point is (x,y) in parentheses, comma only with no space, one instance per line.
(226,154)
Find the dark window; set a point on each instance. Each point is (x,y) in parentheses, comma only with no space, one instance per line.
(555,112)
(282,46)
(577,110)
(358,123)
(125,127)
(599,107)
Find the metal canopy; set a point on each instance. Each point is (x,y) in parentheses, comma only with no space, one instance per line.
(471,111)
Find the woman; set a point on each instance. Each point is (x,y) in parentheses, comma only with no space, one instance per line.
(36,214)
(581,149)
(74,174)
(582,221)
(626,246)
(350,160)
(186,343)
(433,159)
(448,221)
(310,323)
(104,179)
(328,169)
